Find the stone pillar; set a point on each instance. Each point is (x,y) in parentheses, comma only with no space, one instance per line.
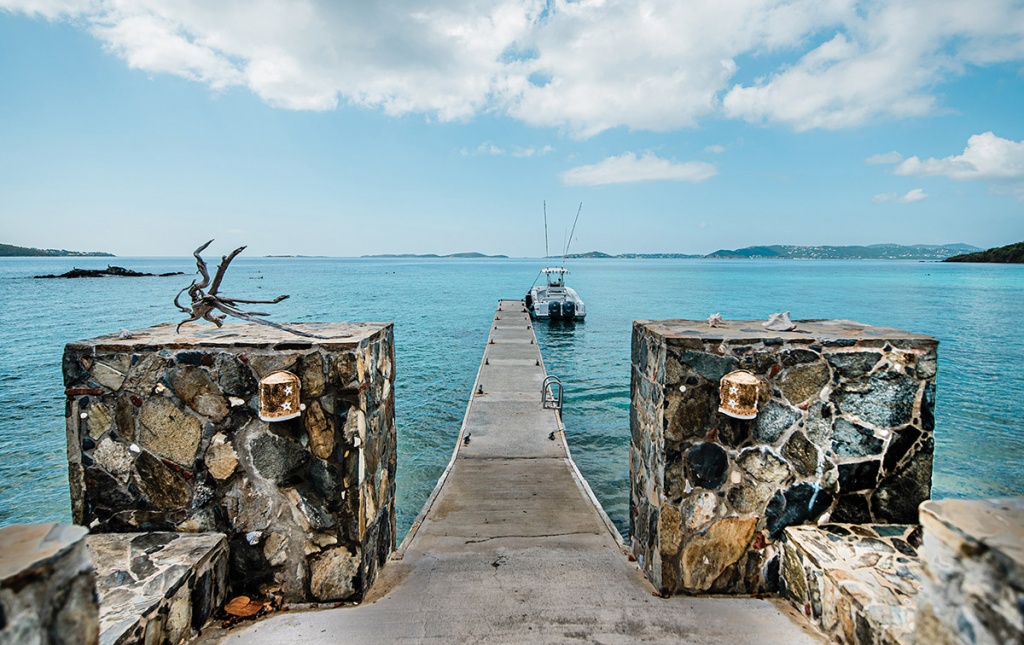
(47,587)
(164,434)
(846,435)
(973,557)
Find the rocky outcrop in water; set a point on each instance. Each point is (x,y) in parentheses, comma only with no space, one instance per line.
(119,272)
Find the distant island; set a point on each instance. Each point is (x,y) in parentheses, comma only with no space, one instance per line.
(785,252)
(433,255)
(12,251)
(1009,254)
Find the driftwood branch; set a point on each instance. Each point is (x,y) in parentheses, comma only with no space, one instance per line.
(205,304)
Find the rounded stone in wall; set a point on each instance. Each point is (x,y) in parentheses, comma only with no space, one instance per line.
(169,431)
(803,455)
(750,498)
(887,402)
(852,365)
(773,420)
(803,382)
(698,510)
(763,464)
(707,465)
(332,574)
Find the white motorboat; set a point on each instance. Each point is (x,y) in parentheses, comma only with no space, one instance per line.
(553,300)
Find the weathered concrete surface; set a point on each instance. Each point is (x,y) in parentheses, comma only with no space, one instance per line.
(511,548)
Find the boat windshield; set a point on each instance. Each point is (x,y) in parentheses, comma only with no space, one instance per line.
(556,277)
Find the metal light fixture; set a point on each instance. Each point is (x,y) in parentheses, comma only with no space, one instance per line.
(741,393)
(279,397)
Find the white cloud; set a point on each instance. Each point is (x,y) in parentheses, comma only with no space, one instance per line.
(531,152)
(488,148)
(883,60)
(629,169)
(584,66)
(914,195)
(886,158)
(50,9)
(485,148)
(986,157)
(715,149)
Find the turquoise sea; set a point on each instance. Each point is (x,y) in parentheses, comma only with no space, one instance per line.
(442,309)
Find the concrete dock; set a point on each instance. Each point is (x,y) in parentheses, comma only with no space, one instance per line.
(512,547)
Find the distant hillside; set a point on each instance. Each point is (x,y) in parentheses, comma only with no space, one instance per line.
(1010,254)
(642,256)
(433,255)
(872,252)
(9,251)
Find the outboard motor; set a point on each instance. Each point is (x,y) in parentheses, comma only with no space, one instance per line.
(569,310)
(554,310)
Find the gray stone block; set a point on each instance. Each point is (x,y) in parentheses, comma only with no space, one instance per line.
(174,443)
(157,587)
(845,433)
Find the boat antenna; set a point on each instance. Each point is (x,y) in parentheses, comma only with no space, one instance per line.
(569,242)
(546,254)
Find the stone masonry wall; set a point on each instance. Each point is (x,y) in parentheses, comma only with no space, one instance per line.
(164,435)
(846,436)
(47,586)
(973,557)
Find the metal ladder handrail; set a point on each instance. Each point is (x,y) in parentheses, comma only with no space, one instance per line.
(551,393)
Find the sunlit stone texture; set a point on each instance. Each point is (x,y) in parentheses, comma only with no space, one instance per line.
(164,435)
(846,436)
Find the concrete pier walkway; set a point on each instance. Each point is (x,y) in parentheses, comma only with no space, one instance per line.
(512,548)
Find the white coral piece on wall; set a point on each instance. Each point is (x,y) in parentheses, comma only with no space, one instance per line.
(779,322)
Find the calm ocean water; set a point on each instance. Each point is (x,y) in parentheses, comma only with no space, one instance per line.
(442,309)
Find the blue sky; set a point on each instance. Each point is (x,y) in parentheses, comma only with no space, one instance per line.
(306,127)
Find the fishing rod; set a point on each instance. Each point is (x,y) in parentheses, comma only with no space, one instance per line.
(546,253)
(569,242)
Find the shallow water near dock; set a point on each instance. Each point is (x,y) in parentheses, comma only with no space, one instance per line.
(442,310)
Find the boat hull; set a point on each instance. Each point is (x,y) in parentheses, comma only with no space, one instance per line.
(562,304)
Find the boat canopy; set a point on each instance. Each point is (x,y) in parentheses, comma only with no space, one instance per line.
(555,276)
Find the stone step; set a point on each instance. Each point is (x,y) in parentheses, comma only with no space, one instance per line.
(858,583)
(47,587)
(157,587)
